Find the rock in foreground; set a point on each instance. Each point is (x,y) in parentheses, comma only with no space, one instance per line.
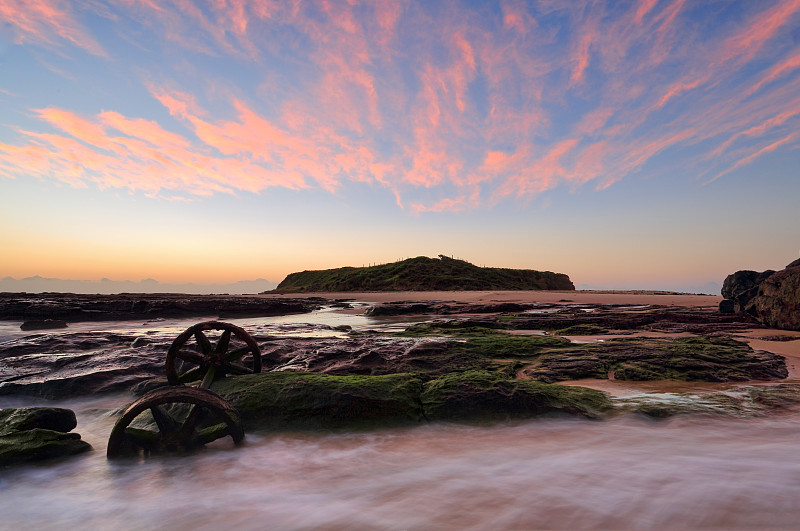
(36,433)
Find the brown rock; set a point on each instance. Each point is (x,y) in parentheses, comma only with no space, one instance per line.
(777,303)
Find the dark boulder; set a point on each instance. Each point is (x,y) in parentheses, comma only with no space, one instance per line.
(727,306)
(742,286)
(777,303)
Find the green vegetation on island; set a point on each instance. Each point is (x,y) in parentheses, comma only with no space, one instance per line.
(424,274)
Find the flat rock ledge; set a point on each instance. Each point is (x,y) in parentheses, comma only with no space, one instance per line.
(38,433)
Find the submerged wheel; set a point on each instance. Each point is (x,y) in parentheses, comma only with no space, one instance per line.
(173,419)
(233,352)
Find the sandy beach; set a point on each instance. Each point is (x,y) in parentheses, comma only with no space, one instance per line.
(578,296)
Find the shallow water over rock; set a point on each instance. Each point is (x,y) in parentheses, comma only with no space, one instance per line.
(560,474)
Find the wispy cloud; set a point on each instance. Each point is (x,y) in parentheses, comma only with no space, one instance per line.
(448,106)
(47,22)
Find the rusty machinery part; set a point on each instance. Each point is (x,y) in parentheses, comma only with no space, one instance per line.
(235,352)
(173,419)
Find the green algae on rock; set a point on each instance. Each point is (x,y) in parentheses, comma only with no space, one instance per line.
(36,433)
(37,444)
(28,418)
(298,400)
(485,395)
(301,400)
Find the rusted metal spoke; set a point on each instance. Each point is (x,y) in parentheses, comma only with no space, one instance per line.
(222,344)
(190,422)
(231,367)
(191,375)
(237,354)
(202,340)
(192,357)
(166,424)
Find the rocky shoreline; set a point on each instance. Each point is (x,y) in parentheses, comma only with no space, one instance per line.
(61,308)
(457,361)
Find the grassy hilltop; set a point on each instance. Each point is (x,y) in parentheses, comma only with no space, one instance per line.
(424,274)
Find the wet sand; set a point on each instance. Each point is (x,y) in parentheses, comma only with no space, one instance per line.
(577,297)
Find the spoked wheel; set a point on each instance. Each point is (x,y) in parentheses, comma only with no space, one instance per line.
(202,353)
(173,419)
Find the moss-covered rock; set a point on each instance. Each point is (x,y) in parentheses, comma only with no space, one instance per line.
(38,444)
(483,395)
(28,418)
(294,400)
(35,433)
(298,400)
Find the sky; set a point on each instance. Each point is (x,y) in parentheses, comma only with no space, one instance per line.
(648,144)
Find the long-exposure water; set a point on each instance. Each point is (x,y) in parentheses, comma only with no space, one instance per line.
(627,473)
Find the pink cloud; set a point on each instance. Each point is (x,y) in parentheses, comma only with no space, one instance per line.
(450,104)
(48,22)
(678,88)
(778,70)
(760,29)
(753,156)
(645,6)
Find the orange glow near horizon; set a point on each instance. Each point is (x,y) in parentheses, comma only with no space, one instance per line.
(216,141)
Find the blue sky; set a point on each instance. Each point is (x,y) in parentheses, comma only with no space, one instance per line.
(643,144)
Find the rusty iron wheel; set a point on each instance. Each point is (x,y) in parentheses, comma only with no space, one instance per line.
(234,352)
(173,419)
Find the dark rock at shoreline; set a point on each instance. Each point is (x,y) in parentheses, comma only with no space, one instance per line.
(45,324)
(37,433)
(742,286)
(770,298)
(777,303)
(73,307)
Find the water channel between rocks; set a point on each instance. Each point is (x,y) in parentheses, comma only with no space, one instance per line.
(687,472)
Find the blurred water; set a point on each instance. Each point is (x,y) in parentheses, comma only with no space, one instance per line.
(557,474)
(318,323)
(691,472)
